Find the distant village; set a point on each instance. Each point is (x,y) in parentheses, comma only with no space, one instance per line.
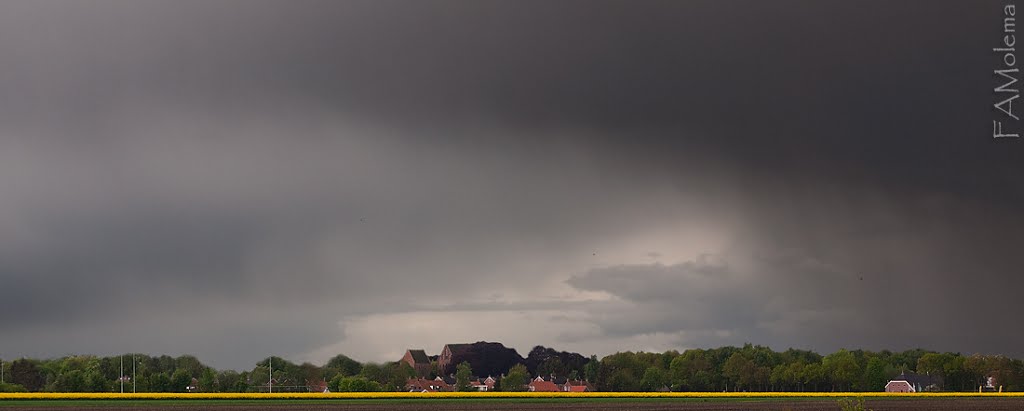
(492,362)
(500,362)
(491,366)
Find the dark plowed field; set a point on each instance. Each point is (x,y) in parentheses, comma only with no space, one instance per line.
(959,404)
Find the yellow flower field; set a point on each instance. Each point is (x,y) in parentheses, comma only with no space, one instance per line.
(480,395)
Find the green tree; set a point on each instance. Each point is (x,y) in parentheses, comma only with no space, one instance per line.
(341,364)
(794,375)
(163,364)
(9,387)
(160,382)
(109,368)
(309,373)
(286,373)
(956,374)
(975,369)
(551,366)
(375,372)
(71,381)
(353,384)
(875,376)
(463,373)
(516,379)
(739,371)
(27,373)
(401,373)
(241,383)
(96,382)
(191,364)
(208,381)
(591,370)
(621,380)
(842,367)
(228,380)
(691,371)
(778,378)
(654,379)
(259,378)
(622,371)
(180,380)
(335,383)
(940,366)
(814,375)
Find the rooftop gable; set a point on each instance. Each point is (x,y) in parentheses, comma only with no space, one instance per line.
(419,356)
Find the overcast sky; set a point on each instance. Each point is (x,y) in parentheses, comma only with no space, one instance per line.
(235,179)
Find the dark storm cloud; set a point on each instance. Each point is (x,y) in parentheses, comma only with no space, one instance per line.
(854,273)
(326,160)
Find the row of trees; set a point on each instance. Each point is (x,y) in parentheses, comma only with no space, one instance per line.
(86,373)
(758,368)
(747,368)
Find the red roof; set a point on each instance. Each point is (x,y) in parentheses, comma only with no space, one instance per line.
(423,384)
(319,386)
(543,386)
(578,386)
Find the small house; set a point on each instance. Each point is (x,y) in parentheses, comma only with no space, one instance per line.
(540,385)
(912,382)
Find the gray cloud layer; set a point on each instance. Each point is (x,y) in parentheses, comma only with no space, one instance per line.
(236,179)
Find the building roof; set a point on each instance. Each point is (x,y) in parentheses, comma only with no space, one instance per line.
(423,384)
(543,386)
(455,348)
(919,381)
(419,356)
(915,378)
(476,382)
(316,386)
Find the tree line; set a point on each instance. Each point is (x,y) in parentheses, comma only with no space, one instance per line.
(758,368)
(746,368)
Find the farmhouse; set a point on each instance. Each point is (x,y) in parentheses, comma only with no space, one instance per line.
(577,386)
(540,385)
(911,382)
(485,384)
(447,384)
(426,385)
(899,385)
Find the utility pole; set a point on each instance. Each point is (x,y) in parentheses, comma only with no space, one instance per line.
(271,374)
(120,375)
(133,373)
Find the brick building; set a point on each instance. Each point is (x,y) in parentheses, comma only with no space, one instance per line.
(418,360)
